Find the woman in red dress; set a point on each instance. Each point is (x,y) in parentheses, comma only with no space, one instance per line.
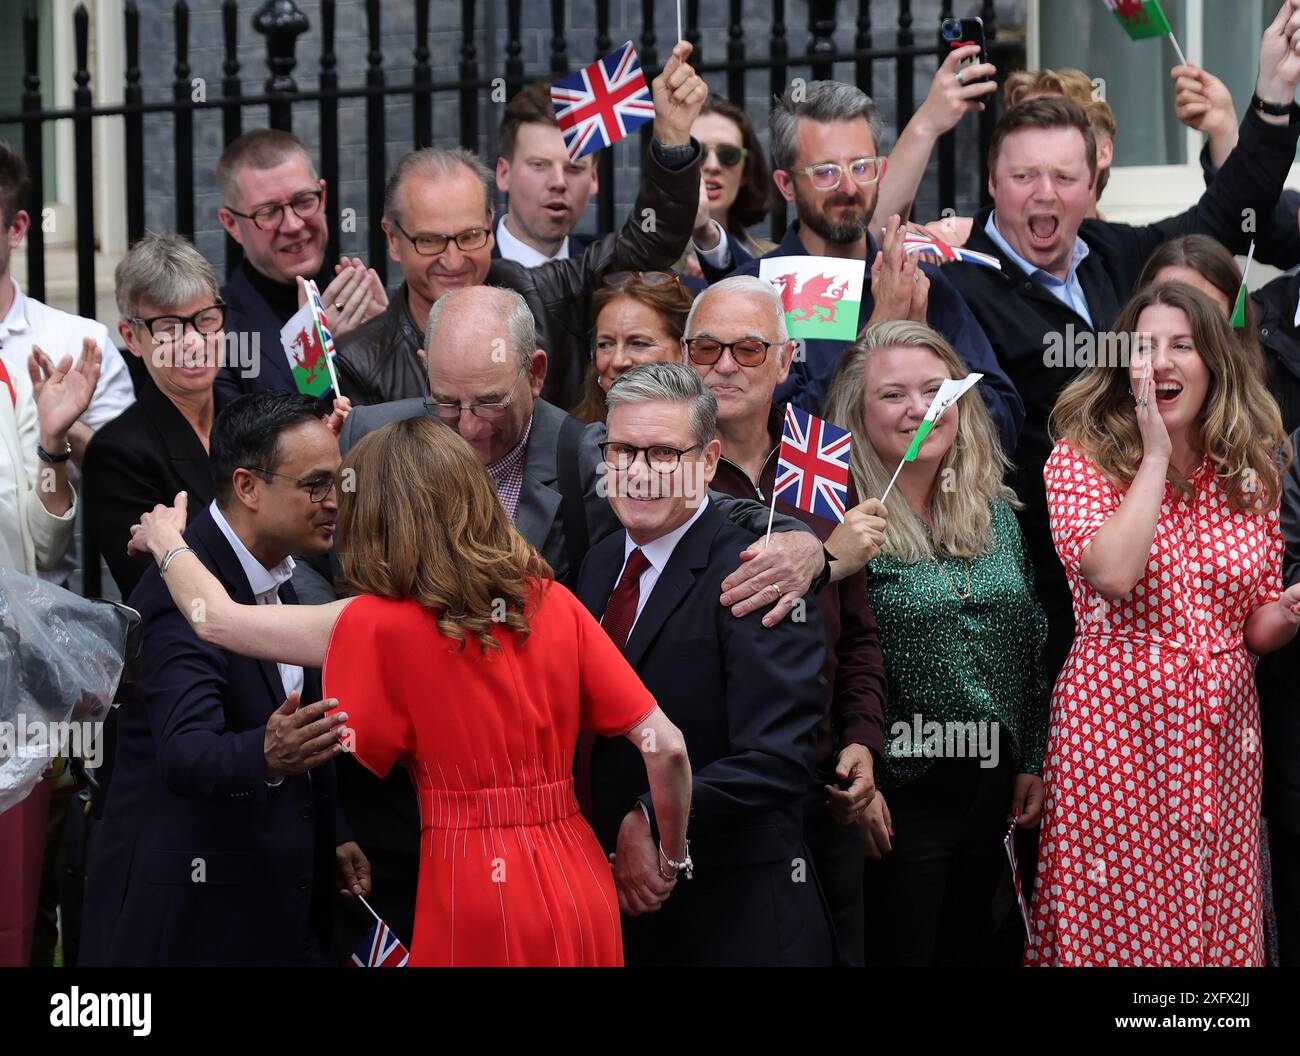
(466,661)
(1163,495)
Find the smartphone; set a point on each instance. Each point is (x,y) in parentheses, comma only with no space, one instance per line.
(957,33)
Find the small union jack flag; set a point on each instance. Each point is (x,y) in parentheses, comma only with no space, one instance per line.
(602,103)
(916,242)
(812,470)
(379,949)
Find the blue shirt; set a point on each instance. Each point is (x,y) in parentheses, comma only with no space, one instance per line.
(1068,291)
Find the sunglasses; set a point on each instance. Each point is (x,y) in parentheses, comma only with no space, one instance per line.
(728,156)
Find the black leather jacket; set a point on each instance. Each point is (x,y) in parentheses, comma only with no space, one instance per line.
(380,361)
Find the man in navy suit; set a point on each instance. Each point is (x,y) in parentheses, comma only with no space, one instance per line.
(748,699)
(219,843)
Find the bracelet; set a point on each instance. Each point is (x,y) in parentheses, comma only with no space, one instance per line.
(824,576)
(1288,110)
(167,557)
(62,456)
(684,866)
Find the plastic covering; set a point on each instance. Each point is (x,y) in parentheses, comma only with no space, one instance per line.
(61,657)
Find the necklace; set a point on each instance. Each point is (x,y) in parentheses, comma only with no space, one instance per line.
(963,595)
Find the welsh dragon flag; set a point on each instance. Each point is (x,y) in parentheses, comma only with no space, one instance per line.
(821,295)
(1141,18)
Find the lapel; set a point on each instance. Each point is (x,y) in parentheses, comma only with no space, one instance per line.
(184,450)
(258,312)
(674,583)
(539,494)
(231,573)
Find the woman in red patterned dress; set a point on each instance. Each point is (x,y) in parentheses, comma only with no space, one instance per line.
(1163,495)
(466,661)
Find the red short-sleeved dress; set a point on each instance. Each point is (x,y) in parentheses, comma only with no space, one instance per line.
(1150,839)
(510,871)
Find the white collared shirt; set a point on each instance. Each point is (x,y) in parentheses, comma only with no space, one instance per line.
(521,252)
(265,583)
(1069,291)
(657,552)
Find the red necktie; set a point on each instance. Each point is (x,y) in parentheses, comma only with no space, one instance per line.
(620,612)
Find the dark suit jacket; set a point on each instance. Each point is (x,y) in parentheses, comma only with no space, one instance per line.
(748,700)
(142,457)
(248,312)
(197,860)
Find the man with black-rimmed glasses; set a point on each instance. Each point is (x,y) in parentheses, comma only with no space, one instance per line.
(273,205)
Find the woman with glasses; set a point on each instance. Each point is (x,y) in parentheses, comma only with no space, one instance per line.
(640,318)
(735,185)
(173,321)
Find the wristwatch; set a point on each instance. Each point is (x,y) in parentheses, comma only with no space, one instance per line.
(824,576)
(1290,110)
(62,456)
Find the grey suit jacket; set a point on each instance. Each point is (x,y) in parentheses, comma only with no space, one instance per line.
(538,515)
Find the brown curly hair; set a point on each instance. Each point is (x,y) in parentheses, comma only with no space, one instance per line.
(419,518)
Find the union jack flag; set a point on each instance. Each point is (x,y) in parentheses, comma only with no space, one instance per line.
(812,470)
(602,103)
(916,242)
(380,949)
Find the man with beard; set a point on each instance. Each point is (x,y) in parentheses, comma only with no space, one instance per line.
(825,160)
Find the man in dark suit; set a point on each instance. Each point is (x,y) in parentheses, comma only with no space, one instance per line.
(274,207)
(747,698)
(485,375)
(219,843)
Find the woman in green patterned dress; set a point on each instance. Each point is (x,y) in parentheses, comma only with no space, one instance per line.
(962,634)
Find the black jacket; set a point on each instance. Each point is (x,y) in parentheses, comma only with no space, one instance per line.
(256,309)
(382,359)
(1279,341)
(142,457)
(1038,338)
(748,700)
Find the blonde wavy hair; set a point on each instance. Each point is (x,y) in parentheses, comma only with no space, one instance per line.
(424,522)
(962,518)
(1239,426)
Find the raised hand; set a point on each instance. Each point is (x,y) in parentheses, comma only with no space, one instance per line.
(679,93)
(1202,101)
(1279,56)
(62,391)
(1155,437)
(894,278)
(950,99)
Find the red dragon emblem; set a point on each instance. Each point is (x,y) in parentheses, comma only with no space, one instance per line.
(818,296)
(308,354)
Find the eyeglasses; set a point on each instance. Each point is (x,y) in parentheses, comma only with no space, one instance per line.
(207,320)
(269,217)
(488,410)
(318,489)
(728,155)
(621,279)
(432,245)
(749,352)
(659,457)
(826,175)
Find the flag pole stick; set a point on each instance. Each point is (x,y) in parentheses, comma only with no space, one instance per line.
(334,378)
(372,912)
(891,481)
(770,514)
(1249,258)
(1182,59)
(679,20)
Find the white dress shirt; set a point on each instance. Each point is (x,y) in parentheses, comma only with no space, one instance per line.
(521,252)
(657,553)
(265,583)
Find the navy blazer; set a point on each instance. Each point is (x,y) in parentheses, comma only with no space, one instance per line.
(810,377)
(248,313)
(198,860)
(748,701)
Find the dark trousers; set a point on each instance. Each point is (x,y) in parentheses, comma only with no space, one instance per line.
(1284,853)
(932,900)
(838,854)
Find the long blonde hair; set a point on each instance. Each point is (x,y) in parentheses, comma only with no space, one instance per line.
(1239,426)
(962,518)
(423,521)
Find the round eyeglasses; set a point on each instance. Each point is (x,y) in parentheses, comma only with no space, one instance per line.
(659,457)
(269,217)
